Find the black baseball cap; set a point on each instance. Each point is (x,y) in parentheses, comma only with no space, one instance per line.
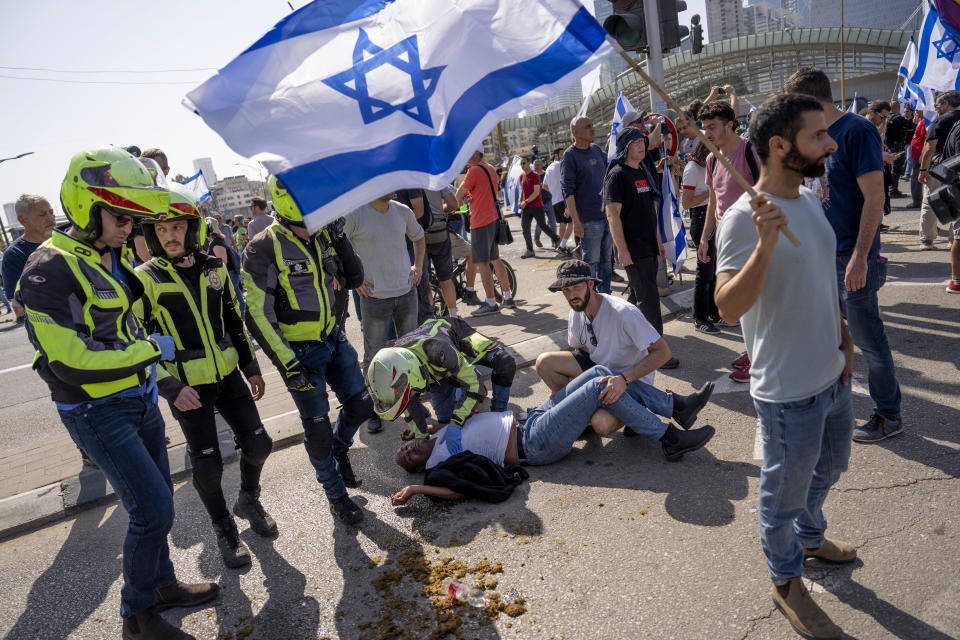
(571,272)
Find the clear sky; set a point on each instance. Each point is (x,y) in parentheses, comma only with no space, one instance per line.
(156,44)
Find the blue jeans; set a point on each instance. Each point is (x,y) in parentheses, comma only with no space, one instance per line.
(445,394)
(597,246)
(806,445)
(551,220)
(553,427)
(866,326)
(4,300)
(333,362)
(378,313)
(125,438)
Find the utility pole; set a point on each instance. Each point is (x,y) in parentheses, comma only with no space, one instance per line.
(651,16)
(843,63)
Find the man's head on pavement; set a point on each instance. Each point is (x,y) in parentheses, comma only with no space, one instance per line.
(879,112)
(258,206)
(789,132)
(36,216)
(413,455)
(575,280)
(947,101)
(719,122)
(811,81)
(582,130)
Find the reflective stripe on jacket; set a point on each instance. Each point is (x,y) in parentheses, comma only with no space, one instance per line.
(78,317)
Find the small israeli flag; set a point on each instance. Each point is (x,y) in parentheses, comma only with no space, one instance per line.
(670,223)
(620,109)
(198,185)
(347,100)
(512,192)
(938,59)
(853,104)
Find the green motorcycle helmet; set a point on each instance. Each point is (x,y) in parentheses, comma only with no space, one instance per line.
(111,177)
(183,206)
(393,375)
(283,202)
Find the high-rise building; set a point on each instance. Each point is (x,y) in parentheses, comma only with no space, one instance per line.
(890,14)
(799,7)
(206,166)
(10,214)
(232,196)
(571,95)
(725,19)
(614,65)
(760,16)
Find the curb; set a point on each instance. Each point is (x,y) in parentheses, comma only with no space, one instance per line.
(36,507)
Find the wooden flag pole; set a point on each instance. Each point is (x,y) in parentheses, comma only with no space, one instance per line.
(709,145)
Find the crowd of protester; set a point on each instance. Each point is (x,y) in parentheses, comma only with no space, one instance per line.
(826,174)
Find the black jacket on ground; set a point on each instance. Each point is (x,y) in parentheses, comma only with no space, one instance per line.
(476,477)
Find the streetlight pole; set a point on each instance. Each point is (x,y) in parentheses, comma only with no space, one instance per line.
(3,227)
(796,49)
(843,62)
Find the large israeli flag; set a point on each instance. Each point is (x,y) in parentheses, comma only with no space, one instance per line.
(670,222)
(512,191)
(346,100)
(620,109)
(922,98)
(938,54)
(197,184)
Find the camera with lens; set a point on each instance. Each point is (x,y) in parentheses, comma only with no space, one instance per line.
(945,199)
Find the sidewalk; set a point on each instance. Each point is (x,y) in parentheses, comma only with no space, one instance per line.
(42,482)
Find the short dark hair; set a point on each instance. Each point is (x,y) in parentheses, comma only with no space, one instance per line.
(717,109)
(694,108)
(257,201)
(153,153)
(879,105)
(951,97)
(781,116)
(811,81)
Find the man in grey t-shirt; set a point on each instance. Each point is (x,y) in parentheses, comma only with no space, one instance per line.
(260,220)
(800,348)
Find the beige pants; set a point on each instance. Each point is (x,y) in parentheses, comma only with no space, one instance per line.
(928,221)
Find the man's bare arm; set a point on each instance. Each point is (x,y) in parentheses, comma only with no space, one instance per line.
(871,186)
(616,230)
(402,496)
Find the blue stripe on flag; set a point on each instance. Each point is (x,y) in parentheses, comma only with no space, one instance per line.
(928,24)
(317,16)
(322,181)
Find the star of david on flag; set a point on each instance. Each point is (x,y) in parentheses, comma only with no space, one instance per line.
(346,100)
(938,65)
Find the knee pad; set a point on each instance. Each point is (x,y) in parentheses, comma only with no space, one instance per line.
(207,468)
(358,408)
(504,368)
(256,446)
(318,437)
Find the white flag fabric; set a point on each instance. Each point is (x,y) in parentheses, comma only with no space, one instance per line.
(346,100)
(938,55)
(512,192)
(670,223)
(586,98)
(620,109)
(198,186)
(922,98)
(853,104)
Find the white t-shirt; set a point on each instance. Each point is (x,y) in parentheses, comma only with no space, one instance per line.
(623,334)
(792,331)
(695,178)
(551,181)
(486,434)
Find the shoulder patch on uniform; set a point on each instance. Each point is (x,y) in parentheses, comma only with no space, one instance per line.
(215,280)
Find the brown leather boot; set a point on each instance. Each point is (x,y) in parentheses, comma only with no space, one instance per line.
(148,625)
(183,594)
(835,551)
(804,615)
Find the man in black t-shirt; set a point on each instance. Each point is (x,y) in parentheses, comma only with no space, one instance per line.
(631,207)
(898,135)
(948,110)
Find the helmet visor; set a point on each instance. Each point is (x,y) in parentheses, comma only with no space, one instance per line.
(385,399)
(127,173)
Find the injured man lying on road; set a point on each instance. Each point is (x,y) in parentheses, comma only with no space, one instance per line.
(552,428)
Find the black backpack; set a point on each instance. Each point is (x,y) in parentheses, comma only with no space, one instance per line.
(951,146)
(751,163)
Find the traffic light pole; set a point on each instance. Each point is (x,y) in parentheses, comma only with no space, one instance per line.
(734,173)
(651,16)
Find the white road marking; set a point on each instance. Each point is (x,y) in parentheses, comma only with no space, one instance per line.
(18,368)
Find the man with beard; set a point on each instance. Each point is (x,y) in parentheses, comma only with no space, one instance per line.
(853,204)
(609,331)
(801,351)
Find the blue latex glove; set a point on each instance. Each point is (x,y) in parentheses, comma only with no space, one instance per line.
(152,388)
(451,438)
(166,344)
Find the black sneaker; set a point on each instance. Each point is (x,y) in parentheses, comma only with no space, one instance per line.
(877,428)
(616,277)
(509,303)
(149,625)
(234,552)
(249,507)
(346,470)
(537,242)
(485,309)
(470,297)
(374,425)
(346,510)
(706,327)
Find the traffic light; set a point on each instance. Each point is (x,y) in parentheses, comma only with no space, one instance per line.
(696,34)
(627,24)
(671,31)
